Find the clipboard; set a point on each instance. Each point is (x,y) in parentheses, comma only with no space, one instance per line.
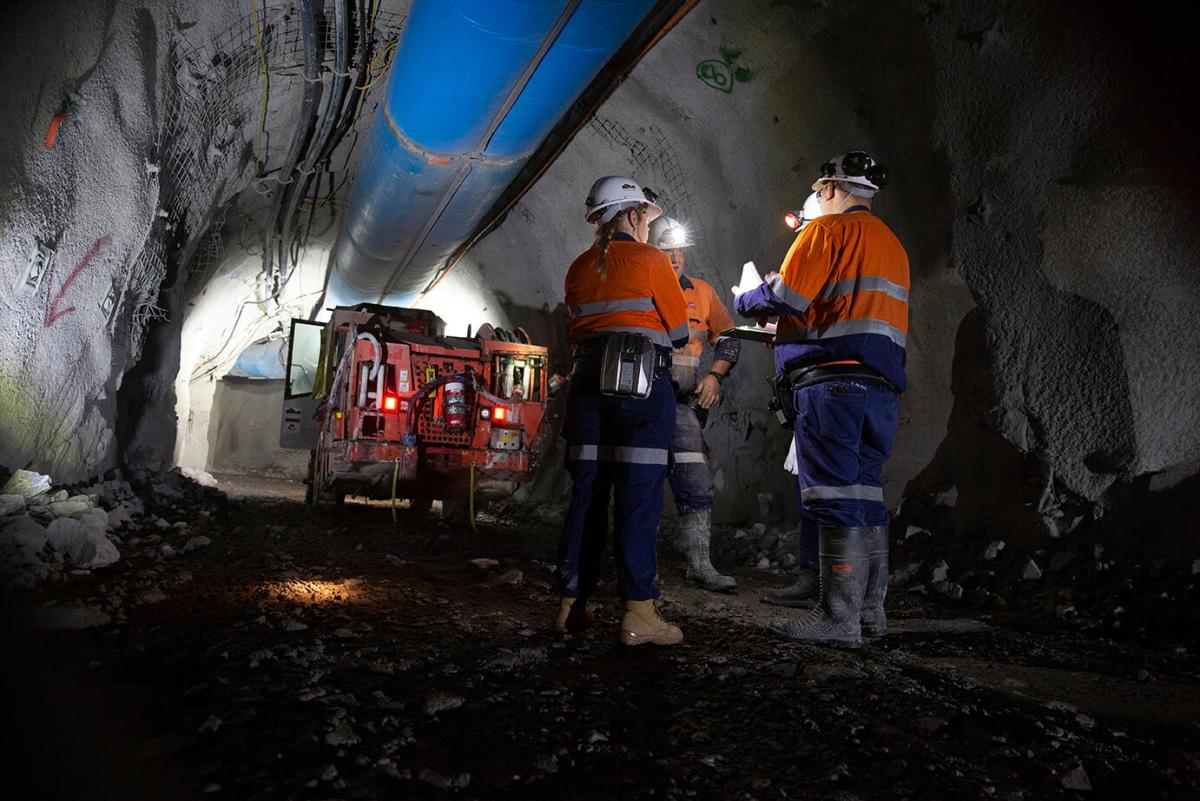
(752,332)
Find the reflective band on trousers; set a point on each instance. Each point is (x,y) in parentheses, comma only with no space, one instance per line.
(683,360)
(606,306)
(617,453)
(864,283)
(842,329)
(689,457)
(854,492)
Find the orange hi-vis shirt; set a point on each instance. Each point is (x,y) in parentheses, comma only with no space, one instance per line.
(707,318)
(638,293)
(844,285)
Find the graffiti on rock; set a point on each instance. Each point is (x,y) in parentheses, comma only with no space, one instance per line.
(722,73)
(53,313)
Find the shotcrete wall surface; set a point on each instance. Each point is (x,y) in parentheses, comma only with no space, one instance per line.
(90,202)
(244,437)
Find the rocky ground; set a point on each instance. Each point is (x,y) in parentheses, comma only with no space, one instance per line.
(245,647)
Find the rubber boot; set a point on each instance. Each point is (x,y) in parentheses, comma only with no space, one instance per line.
(643,624)
(873,617)
(573,616)
(844,571)
(695,534)
(804,589)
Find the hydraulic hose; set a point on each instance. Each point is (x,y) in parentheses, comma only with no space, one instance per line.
(288,188)
(333,110)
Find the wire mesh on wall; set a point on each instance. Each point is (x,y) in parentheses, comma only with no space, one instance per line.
(656,165)
(214,106)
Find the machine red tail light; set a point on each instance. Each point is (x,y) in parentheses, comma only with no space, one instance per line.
(500,414)
(391,403)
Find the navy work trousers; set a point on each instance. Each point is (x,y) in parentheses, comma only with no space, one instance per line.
(844,433)
(691,479)
(616,448)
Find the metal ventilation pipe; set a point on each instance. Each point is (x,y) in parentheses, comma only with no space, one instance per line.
(475,88)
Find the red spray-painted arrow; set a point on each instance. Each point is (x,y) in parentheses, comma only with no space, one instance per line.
(53,313)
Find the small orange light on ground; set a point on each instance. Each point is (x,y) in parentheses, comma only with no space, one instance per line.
(390,403)
(500,414)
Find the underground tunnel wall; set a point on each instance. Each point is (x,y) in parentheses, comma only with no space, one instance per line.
(1040,198)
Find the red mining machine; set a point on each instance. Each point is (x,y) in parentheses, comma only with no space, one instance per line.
(390,407)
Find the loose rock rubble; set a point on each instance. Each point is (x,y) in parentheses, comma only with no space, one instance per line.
(47,534)
(1094,574)
(303,655)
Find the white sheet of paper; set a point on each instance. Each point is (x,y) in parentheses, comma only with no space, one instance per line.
(750,279)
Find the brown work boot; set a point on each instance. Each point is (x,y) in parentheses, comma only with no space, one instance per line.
(643,624)
(573,616)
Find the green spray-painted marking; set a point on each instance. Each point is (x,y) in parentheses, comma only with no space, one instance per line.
(722,73)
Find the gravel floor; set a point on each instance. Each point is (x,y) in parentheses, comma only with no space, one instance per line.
(325,656)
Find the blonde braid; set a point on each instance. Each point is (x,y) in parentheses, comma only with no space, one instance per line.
(604,235)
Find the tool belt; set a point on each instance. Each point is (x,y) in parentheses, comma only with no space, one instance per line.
(626,363)
(784,385)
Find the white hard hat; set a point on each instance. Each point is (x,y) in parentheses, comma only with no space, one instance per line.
(667,233)
(855,168)
(613,193)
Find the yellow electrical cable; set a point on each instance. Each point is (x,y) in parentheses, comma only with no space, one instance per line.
(395,475)
(266,76)
(471,499)
(389,49)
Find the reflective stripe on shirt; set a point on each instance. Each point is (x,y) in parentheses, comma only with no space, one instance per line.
(866,283)
(788,295)
(842,329)
(606,306)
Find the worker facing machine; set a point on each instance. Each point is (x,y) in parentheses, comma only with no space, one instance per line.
(625,314)
(841,297)
(695,394)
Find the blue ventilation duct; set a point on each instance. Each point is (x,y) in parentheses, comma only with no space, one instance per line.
(475,87)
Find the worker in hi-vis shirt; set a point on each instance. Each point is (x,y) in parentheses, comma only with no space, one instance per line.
(696,393)
(625,313)
(841,298)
